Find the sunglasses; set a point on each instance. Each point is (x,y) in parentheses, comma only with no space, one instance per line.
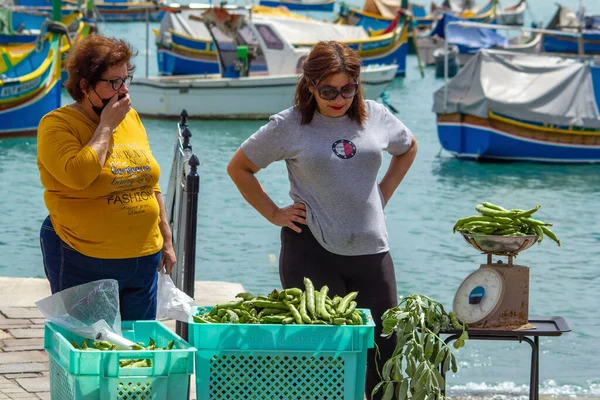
(117,83)
(331,93)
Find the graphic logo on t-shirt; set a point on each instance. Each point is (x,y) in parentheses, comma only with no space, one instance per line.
(343,148)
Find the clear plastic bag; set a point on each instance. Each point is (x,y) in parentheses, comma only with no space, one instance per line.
(172,302)
(85,310)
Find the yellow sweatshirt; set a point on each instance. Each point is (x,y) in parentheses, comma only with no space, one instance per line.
(107,211)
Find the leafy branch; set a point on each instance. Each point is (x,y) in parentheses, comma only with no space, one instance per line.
(413,371)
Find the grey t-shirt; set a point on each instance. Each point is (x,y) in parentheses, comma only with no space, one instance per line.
(332,165)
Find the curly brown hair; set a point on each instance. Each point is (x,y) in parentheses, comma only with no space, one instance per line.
(326,59)
(91,57)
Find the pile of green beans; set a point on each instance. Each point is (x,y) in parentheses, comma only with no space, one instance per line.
(288,306)
(103,345)
(496,220)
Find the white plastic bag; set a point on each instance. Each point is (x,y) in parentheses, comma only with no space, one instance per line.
(172,302)
(86,309)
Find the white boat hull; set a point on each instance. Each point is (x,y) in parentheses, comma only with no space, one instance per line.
(255,97)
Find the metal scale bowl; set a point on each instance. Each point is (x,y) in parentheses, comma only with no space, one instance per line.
(497,294)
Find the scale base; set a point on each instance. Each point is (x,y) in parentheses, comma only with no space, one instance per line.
(513,311)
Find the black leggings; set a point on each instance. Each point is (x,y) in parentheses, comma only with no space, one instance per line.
(371,275)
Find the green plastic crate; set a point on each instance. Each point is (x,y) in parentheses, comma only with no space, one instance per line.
(262,361)
(96,375)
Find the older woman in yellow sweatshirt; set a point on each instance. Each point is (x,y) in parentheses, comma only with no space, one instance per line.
(107,218)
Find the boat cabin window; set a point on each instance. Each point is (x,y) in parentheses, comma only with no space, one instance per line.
(271,39)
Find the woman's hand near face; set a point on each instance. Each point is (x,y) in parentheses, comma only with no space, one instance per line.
(115,111)
(287,216)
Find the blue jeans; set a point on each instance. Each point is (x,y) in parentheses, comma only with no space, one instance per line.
(138,277)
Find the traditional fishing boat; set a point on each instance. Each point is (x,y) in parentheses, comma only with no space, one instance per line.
(20,25)
(113,11)
(184,45)
(469,38)
(378,14)
(300,5)
(518,107)
(565,20)
(513,14)
(235,93)
(29,84)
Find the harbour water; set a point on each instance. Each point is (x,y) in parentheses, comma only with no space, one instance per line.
(236,244)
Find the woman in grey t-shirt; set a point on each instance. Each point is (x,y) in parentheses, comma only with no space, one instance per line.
(332,142)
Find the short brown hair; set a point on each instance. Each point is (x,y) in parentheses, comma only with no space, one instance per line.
(91,56)
(326,59)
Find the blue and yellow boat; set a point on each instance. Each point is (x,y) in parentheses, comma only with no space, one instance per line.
(378,14)
(30,76)
(300,5)
(113,11)
(506,106)
(567,21)
(184,46)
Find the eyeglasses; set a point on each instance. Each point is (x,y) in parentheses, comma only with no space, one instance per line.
(331,93)
(117,83)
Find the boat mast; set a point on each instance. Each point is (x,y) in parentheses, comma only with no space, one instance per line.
(56,11)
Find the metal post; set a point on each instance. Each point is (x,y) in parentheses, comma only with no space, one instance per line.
(186,134)
(184,118)
(446,66)
(147,39)
(192,184)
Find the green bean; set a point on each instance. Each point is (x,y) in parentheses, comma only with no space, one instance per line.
(528,213)
(295,313)
(531,221)
(551,235)
(320,303)
(493,206)
(336,300)
(302,311)
(231,304)
(539,232)
(343,305)
(356,317)
(339,321)
(273,319)
(272,311)
(245,296)
(265,304)
(310,297)
(350,309)
(293,292)
(493,213)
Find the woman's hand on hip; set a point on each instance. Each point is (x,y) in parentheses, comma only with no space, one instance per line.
(287,216)
(168,259)
(115,111)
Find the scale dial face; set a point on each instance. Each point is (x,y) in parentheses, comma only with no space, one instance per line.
(492,283)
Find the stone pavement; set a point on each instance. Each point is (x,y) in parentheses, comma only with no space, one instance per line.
(23,360)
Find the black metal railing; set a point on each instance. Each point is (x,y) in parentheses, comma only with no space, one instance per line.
(182,212)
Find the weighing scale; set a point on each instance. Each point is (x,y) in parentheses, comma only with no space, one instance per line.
(497,294)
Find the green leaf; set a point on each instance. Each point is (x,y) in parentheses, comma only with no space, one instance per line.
(429,345)
(454,366)
(446,365)
(388,392)
(377,387)
(439,378)
(402,390)
(387,368)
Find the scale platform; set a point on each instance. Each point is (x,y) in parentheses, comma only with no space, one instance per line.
(543,326)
